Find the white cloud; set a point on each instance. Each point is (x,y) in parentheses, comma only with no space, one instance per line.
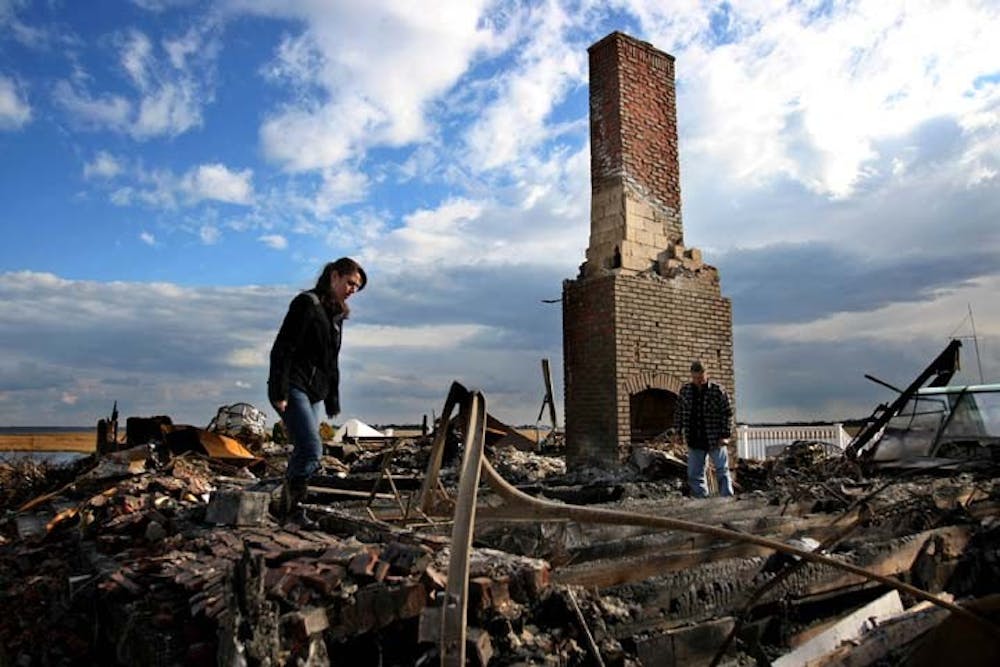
(172,83)
(339,187)
(219,183)
(106,111)
(297,62)
(38,39)
(357,229)
(250,357)
(209,234)
(147,238)
(171,97)
(104,165)
(545,68)
(541,220)
(15,111)
(137,58)
(274,241)
(424,336)
(121,196)
(183,48)
(161,188)
(172,109)
(933,318)
(368,96)
(162,5)
(434,235)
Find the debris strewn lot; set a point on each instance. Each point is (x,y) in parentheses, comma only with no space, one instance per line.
(153,556)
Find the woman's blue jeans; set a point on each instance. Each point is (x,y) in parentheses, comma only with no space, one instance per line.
(301,418)
(696,471)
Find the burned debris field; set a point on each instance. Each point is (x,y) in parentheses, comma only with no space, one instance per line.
(164,552)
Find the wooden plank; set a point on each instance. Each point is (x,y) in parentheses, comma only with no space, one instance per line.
(651,559)
(900,559)
(347,494)
(620,571)
(679,647)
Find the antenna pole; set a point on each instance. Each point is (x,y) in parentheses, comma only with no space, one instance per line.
(975,342)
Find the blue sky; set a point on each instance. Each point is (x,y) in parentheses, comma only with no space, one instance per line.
(173,171)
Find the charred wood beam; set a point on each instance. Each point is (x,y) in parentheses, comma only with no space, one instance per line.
(540,509)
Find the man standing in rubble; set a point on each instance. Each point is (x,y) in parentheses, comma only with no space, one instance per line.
(703,418)
(305,376)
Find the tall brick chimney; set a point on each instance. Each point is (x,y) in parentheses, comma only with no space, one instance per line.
(634,164)
(643,305)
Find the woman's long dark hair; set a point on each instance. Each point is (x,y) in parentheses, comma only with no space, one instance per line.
(344,266)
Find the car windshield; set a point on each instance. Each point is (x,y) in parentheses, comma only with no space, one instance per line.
(913,431)
(974,424)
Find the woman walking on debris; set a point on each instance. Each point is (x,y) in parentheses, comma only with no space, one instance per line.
(304,373)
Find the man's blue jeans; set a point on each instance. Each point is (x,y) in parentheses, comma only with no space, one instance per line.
(301,418)
(696,471)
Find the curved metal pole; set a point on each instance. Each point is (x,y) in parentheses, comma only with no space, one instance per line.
(457,592)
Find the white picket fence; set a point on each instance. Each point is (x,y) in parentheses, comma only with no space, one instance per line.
(754,440)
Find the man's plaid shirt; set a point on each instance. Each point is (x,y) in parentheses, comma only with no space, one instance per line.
(717,413)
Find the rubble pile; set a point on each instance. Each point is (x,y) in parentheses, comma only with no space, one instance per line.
(140,557)
(525,467)
(22,479)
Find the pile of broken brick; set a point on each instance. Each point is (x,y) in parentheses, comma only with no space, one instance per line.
(160,560)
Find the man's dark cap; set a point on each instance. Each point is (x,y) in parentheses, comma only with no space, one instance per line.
(696,367)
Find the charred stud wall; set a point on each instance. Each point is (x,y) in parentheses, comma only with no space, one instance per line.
(643,305)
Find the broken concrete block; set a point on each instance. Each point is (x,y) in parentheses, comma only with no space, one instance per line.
(238,508)
(307,622)
(325,580)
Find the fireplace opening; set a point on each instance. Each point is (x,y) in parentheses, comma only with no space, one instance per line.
(651,413)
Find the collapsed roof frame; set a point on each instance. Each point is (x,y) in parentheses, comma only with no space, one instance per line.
(520,506)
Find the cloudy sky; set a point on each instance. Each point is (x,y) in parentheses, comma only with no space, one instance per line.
(173,171)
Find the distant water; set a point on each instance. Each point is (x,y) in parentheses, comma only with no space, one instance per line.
(52,458)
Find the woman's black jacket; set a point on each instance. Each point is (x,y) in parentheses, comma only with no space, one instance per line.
(305,353)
